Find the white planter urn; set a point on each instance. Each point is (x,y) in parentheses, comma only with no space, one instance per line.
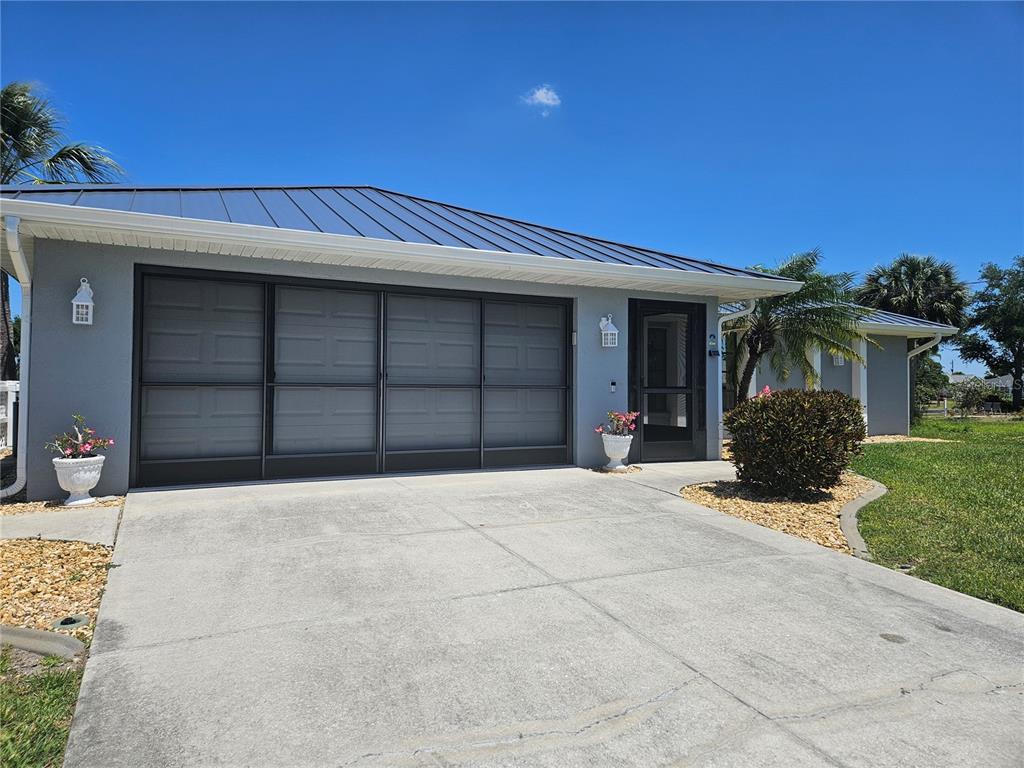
(78,477)
(616,448)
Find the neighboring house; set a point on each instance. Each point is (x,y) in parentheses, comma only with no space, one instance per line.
(883,384)
(960,378)
(256,333)
(1003,384)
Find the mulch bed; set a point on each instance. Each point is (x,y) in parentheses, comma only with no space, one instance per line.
(816,521)
(44,581)
(57,505)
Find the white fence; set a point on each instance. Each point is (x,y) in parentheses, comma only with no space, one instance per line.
(8,399)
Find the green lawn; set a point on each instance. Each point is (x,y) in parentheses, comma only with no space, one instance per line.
(35,711)
(955,511)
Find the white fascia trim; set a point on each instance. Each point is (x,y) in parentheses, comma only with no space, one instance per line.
(676,281)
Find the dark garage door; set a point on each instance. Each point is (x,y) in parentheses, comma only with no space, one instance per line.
(248,379)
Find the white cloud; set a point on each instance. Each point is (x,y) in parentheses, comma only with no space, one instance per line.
(543,97)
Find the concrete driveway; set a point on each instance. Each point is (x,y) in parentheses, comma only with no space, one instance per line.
(543,618)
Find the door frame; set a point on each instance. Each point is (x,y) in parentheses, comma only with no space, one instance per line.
(317,463)
(639,309)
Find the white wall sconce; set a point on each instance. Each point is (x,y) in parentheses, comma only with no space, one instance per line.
(82,305)
(712,345)
(609,333)
(838,361)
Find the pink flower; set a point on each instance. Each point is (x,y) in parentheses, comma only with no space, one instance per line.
(87,447)
(110,441)
(632,427)
(68,451)
(599,429)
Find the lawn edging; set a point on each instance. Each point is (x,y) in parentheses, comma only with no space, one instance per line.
(848,518)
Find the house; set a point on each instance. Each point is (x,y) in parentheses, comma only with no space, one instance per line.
(882,384)
(1002,384)
(246,333)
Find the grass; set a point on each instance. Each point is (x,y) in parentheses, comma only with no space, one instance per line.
(955,511)
(36,714)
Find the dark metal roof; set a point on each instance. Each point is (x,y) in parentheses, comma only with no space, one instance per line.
(366,212)
(873,316)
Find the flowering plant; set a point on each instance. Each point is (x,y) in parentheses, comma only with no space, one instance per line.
(619,423)
(81,443)
(764,392)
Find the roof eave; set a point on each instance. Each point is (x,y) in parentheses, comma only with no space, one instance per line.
(77,223)
(910,331)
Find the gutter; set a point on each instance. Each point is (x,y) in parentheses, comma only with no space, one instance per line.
(390,254)
(748,307)
(21,271)
(912,353)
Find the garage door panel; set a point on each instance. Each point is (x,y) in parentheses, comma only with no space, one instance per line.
(524,417)
(325,420)
(432,418)
(433,340)
(524,343)
(202,332)
(325,336)
(200,422)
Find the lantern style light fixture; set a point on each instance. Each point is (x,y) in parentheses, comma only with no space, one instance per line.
(838,361)
(81,305)
(609,333)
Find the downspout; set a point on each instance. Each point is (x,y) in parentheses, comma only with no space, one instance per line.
(21,271)
(748,307)
(914,352)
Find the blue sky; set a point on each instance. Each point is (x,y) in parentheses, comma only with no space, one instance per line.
(734,132)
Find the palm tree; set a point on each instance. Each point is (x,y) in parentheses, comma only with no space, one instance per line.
(785,328)
(33,150)
(918,286)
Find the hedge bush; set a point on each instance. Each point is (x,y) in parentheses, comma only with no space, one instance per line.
(792,443)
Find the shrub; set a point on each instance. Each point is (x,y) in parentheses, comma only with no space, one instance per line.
(969,396)
(793,443)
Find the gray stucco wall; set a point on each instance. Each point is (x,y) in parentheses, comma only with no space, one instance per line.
(89,368)
(766,377)
(888,403)
(887,395)
(836,376)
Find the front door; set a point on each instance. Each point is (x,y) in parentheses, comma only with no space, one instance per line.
(665,389)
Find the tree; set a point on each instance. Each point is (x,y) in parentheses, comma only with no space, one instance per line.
(931,382)
(995,327)
(34,150)
(784,328)
(917,286)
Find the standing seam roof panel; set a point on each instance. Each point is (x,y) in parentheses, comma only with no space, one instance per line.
(204,205)
(428,228)
(245,208)
(399,229)
(325,218)
(285,212)
(535,247)
(465,234)
(357,219)
(501,242)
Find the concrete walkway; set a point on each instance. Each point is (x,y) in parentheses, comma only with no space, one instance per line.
(545,618)
(95,525)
